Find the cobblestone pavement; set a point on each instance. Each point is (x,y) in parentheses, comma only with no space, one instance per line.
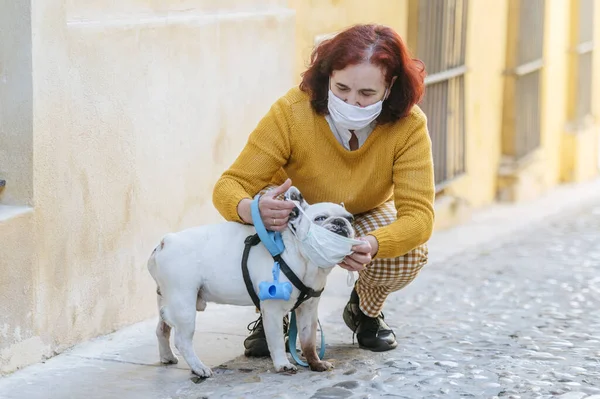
(521,320)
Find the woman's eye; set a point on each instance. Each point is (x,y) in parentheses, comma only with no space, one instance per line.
(343,89)
(320,218)
(367,94)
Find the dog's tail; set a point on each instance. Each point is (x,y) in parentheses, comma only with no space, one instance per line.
(152,262)
(152,265)
(153,269)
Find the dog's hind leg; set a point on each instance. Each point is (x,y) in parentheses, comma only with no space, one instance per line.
(182,317)
(307,315)
(163,333)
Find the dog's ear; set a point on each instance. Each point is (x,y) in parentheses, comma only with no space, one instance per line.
(342,205)
(294,214)
(293,194)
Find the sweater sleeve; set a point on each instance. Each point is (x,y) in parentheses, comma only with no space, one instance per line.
(266,151)
(414,193)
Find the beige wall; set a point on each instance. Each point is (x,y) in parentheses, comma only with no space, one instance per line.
(315,18)
(138,108)
(16,135)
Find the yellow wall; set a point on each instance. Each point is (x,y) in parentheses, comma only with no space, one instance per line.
(527,178)
(137,109)
(484,80)
(574,158)
(555,80)
(569,150)
(580,155)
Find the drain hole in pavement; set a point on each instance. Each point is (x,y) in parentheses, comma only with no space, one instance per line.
(198,380)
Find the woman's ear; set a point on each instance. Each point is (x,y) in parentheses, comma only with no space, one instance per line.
(390,88)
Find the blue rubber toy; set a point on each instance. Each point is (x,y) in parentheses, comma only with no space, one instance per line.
(275,289)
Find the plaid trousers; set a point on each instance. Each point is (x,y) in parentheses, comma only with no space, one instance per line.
(386,275)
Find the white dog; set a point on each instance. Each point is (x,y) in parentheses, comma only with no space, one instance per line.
(203,264)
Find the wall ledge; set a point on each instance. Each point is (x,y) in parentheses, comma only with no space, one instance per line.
(8,212)
(190,17)
(581,125)
(511,167)
(522,180)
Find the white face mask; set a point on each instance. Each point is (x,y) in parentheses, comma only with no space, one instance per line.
(322,247)
(352,117)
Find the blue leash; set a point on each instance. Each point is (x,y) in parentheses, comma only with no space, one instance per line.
(292,337)
(271,239)
(274,243)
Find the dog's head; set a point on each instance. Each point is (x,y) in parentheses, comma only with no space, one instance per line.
(333,217)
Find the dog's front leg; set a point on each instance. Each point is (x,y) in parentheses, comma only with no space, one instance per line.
(307,318)
(272,314)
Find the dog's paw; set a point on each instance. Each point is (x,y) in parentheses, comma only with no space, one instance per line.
(321,366)
(169,359)
(203,372)
(286,368)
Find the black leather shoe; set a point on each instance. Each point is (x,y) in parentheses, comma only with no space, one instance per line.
(256,342)
(372,333)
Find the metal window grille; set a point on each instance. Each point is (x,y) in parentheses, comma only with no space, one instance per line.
(529,60)
(584,48)
(441,44)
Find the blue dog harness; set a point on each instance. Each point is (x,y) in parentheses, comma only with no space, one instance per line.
(275,290)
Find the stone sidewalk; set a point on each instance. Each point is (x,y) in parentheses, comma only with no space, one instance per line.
(509,306)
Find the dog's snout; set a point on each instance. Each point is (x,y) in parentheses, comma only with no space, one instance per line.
(338,222)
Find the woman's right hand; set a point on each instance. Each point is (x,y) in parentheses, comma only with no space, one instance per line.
(274,212)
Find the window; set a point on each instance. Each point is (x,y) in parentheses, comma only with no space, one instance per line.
(522,123)
(16,105)
(441,42)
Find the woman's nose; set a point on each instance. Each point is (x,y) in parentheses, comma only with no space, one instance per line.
(352,99)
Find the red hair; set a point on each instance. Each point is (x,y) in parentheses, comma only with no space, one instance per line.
(379,45)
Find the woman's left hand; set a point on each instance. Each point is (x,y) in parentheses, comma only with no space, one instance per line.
(362,256)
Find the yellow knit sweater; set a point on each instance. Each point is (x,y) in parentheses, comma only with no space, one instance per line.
(293,141)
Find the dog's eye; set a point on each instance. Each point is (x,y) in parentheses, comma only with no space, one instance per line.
(320,218)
